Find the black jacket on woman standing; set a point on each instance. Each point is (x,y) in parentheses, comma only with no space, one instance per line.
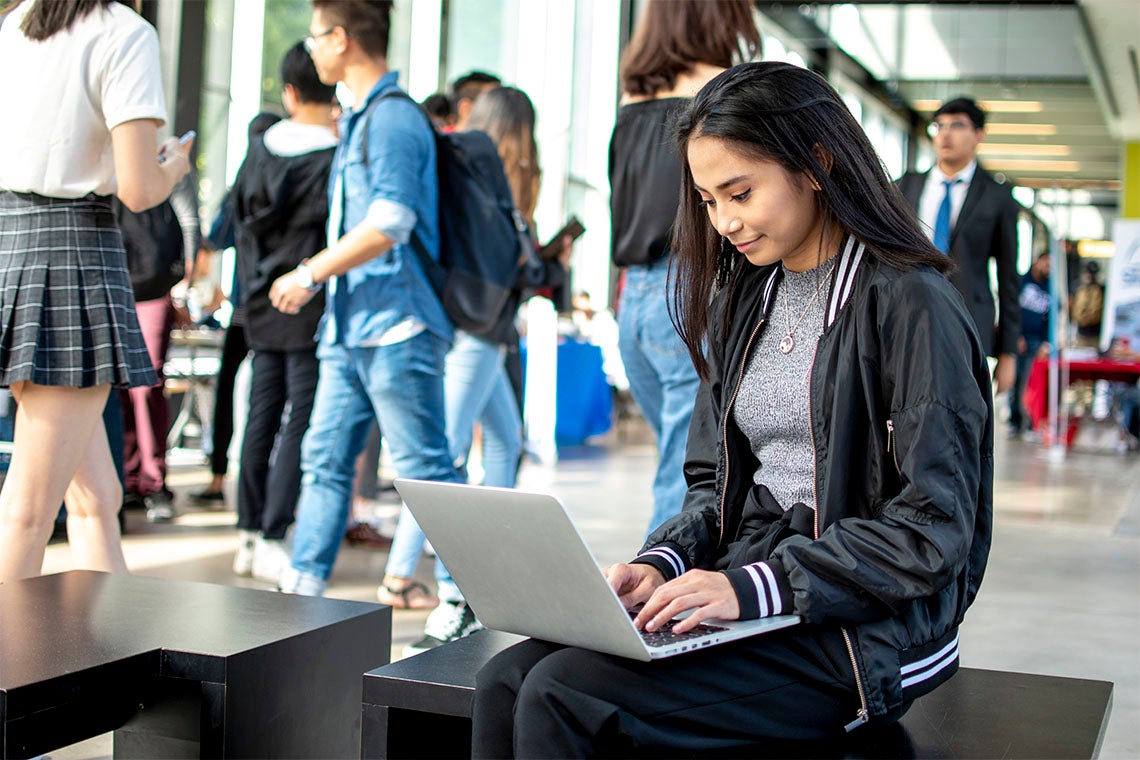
(902,425)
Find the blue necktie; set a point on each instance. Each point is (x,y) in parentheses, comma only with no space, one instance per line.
(942,221)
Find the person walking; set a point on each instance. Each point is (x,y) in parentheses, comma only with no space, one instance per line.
(1035,302)
(280,199)
(161,244)
(384,333)
(68,330)
(677,47)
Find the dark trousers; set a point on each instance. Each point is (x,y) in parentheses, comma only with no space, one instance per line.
(146,413)
(544,700)
(270,479)
(234,350)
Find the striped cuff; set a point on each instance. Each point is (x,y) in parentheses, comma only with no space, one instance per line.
(665,557)
(762,590)
(923,670)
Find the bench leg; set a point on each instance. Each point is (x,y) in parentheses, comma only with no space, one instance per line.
(388,732)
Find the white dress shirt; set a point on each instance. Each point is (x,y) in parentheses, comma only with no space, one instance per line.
(934,190)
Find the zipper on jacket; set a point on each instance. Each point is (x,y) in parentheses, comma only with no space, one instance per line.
(814,458)
(724,422)
(863,715)
(891,448)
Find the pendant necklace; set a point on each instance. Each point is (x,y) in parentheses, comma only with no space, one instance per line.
(787,343)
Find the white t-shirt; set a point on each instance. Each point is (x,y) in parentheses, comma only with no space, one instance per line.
(63,95)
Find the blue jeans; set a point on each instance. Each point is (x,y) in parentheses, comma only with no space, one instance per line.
(476,387)
(662,379)
(401,385)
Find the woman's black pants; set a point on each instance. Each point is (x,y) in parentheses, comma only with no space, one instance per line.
(538,699)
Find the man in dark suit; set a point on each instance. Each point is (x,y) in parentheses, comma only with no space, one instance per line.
(972,219)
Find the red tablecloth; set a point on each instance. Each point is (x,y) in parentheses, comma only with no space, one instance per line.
(1036,396)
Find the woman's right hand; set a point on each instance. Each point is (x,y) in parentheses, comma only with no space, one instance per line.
(175,157)
(634,583)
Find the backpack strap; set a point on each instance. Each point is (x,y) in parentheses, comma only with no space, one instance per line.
(433,268)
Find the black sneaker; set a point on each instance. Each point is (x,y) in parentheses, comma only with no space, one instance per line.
(447,622)
(159,507)
(208,497)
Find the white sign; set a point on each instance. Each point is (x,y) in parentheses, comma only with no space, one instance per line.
(1122,294)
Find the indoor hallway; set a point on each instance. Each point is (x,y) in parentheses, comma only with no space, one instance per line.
(1061,596)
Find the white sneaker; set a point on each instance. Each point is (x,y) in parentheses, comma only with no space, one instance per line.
(447,622)
(243,559)
(270,558)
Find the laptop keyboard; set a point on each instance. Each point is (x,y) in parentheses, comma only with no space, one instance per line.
(664,635)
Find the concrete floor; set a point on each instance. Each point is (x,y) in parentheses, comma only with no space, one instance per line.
(1061,596)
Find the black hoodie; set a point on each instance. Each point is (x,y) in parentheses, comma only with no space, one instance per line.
(281,212)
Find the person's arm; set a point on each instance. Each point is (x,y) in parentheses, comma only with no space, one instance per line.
(689,539)
(360,244)
(1009,287)
(396,140)
(143,182)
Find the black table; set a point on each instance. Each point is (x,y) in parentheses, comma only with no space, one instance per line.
(181,669)
(421,707)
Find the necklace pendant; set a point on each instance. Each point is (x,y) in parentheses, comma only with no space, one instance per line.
(787,344)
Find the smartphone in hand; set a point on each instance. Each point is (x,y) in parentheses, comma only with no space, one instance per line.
(183,141)
(573,228)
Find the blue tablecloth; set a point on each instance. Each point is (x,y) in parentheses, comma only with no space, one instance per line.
(584,401)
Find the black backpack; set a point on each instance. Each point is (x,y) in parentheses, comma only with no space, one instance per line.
(154,246)
(482,236)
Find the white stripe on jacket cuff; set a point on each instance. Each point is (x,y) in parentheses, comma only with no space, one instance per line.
(767,592)
(670,556)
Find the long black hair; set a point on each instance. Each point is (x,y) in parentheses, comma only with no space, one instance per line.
(783,113)
(44,19)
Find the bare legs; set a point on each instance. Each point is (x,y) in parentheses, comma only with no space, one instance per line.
(60,452)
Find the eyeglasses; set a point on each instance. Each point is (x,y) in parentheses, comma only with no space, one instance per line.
(310,40)
(952,126)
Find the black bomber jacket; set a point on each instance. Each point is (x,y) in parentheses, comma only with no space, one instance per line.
(902,424)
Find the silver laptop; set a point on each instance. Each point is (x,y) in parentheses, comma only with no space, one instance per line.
(524,568)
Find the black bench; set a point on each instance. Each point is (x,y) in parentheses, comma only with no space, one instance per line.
(180,669)
(421,707)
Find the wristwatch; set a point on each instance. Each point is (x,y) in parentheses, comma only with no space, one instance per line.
(304,277)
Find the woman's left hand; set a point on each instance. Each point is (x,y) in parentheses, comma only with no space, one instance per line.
(709,592)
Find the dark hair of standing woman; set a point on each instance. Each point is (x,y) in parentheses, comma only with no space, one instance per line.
(786,114)
(672,35)
(507,115)
(46,18)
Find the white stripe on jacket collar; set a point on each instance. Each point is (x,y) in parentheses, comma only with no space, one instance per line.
(842,278)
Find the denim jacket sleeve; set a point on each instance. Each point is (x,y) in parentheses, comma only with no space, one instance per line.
(399,149)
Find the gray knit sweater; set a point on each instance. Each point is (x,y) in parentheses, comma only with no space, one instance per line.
(772,406)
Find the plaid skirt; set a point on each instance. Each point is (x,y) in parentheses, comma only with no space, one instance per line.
(67,311)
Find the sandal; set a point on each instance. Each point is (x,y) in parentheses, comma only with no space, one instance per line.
(413,596)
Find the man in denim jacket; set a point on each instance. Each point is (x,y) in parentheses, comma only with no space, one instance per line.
(384,333)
